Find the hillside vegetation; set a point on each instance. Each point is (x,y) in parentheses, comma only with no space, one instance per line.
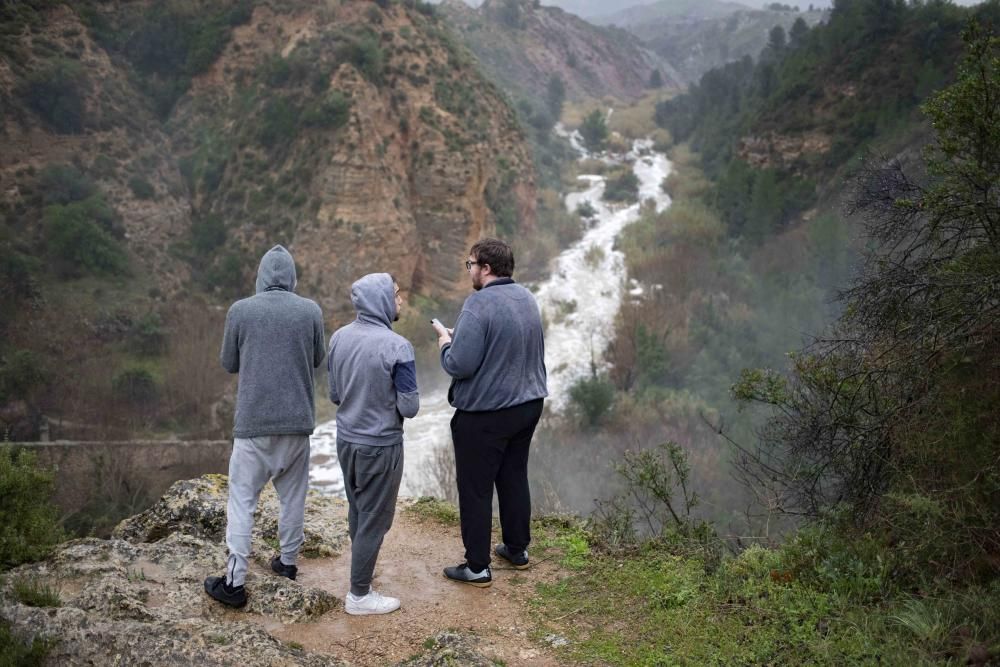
(880,437)
(150,153)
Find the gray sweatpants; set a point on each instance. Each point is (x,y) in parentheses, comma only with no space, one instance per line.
(284,459)
(371,480)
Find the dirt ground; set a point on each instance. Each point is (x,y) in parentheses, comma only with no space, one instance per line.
(409,567)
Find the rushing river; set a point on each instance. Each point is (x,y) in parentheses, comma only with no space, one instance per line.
(579,302)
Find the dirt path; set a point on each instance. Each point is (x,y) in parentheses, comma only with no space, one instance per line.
(409,567)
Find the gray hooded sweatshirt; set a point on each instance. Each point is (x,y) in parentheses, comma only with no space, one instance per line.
(372,374)
(274,340)
(497,355)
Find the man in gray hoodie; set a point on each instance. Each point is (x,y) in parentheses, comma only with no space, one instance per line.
(497,364)
(373,381)
(274,340)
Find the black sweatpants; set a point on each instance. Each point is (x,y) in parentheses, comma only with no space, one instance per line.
(491,448)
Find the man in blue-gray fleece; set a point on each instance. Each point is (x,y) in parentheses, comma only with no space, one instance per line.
(373,381)
(496,358)
(274,340)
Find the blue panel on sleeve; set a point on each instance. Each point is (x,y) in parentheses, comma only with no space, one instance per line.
(404,376)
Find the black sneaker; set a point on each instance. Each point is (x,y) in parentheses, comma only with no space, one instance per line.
(284,570)
(463,574)
(233,596)
(519,561)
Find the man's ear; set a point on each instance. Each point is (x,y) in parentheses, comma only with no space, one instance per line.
(487,267)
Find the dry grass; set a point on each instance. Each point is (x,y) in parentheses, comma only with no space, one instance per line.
(635,121)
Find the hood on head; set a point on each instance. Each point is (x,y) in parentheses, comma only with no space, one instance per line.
(276,270)
(374,298)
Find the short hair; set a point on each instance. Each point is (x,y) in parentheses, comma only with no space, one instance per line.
(497,254)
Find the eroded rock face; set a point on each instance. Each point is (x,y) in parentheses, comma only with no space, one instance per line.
(138,598)
(197,507)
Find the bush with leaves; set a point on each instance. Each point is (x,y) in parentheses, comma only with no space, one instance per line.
(82,238)
(56,92)
(901,402)
(593,397)
(594,130)
(29,525)
(623,187)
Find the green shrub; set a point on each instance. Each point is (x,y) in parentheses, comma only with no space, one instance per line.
(136,386)
(594,130)
(141,188)
(586,210)
(207,233)
(20,372)
(622,188)
(330,112)
(15,652)
(227,276)
(593,396)
(148,335)
(104,166)
(81,240)
(279,123)
(363,51)
(34,593)
(56,93)
(29,525)
(64,184)
(16,271)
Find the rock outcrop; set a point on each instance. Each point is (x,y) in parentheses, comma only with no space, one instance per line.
(138,597)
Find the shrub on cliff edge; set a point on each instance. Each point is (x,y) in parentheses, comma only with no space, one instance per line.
(29,525)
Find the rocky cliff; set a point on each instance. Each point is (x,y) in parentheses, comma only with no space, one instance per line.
(150,152)
(363,137)
(138,597)
(524,45)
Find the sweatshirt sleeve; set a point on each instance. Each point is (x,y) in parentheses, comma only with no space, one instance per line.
(230,354)
(319,339)
(331,378)
(404,379)
(461,358)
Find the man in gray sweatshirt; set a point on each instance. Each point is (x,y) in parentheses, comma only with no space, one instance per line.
(274,340)
(496,358)
(373,381)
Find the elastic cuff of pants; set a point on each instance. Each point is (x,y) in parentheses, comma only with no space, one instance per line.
(476,567)
(360,591)
(285,560)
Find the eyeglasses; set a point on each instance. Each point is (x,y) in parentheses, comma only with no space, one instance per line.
(468,265)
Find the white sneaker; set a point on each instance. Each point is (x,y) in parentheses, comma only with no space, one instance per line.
(373,603)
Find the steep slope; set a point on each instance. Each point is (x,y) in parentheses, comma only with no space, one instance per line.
(524,46)
(149,153)
(695,38)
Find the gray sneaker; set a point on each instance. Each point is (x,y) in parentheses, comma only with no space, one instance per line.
(463,574)
(519,561)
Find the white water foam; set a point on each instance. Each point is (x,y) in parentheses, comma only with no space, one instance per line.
(579,302)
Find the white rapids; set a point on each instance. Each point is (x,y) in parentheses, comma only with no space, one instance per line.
(579,302)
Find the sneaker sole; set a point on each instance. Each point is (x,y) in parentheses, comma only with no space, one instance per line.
(477,584)
(365,612)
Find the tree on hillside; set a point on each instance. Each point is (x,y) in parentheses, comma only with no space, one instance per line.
(776,39)
(656,79)
(594,130)
(555,95)
(797,33)
(898,410)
